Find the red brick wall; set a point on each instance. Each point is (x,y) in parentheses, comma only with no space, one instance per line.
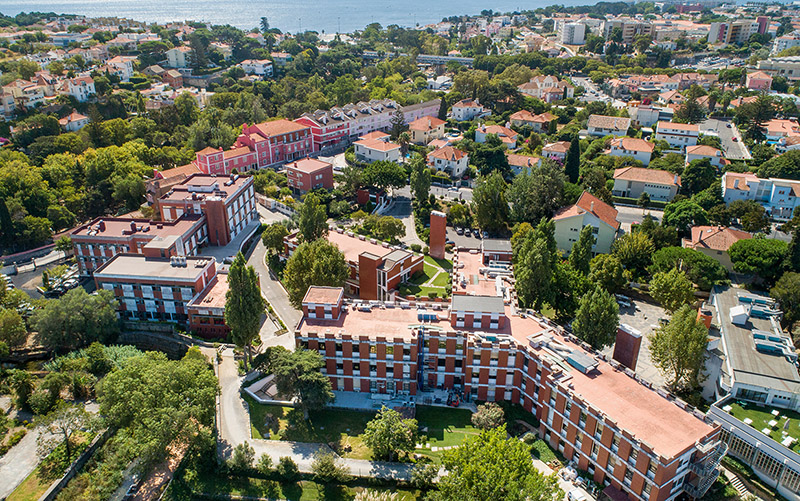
(368,277)
(438,235)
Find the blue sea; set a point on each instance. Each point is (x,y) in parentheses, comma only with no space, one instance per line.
(329,16)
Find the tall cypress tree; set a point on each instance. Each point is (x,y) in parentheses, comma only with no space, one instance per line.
(442,108)
(243,304)
(572,166)
(6,226)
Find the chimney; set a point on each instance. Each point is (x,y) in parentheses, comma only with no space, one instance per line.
(735,184)
(591,206)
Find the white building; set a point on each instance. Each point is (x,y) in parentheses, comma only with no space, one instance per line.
(779,197)
(631,182)
(74,122)
(261,67)
(81,88)
(121,66)
(468,109)
(603,125)
(179,57)
(786,42)
(572,33)
(678,135)
(449,160)
(638,149)
(701,151)
(372,150)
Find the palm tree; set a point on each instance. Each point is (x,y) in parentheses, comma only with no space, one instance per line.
(404,139)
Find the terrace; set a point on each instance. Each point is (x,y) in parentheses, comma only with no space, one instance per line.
(781,425)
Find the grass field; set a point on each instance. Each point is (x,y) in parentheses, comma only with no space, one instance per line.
(434,278)
(31,488)
(761,416)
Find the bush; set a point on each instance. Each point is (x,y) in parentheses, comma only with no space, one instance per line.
(242,459)
(433,294)
(264,465)
(416,247)
(326,470)
(287,469)
(12,441)
(41,402)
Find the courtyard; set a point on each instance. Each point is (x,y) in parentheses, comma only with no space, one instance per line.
(434,278)
(781,425)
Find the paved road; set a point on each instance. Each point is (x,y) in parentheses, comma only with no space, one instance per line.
(402,210)
(463,193)
(629,215)
(733,150)
(234,429)
(272,288)
(18,463)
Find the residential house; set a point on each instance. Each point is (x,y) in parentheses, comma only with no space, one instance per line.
(163,180)
(539,123)
(308,174)
(121,66)
(179,57)
(450,160)
(468,109)
(548,88)
(260,67)
(281,59)
(506,135)
(587,211)
(778,128)
(701,151)
(556,151)
(789,143)
(678,135)
(758,80)
(519,163)
(648,115)
(779,197)
(372,150)
(81,88)
(426,129)
(638,149)
(714,242)
(73,122)
(173,78)
(631,182)
(26,94)
(603,125)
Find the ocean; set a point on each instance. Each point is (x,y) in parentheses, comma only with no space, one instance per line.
(329,16)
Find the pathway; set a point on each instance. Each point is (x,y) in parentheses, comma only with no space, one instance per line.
(272,289)
(18,463)
(234,429)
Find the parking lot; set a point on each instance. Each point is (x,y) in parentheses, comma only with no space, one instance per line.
(642,316)
(473,241)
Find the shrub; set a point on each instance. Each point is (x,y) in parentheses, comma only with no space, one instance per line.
(41,402)
(433,294)
(264,465)
(416,247)
(242,459)
(287,469)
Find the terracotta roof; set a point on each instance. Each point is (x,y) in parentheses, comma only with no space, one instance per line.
(677,126)
(72,117)
(448,153)
(309,165)
(208,150)
(182,171)
(607,122)
(557,147)
(743,178)
(374,135)
(647,176)
(499,130)
(522,160)
(522,115)
(214,295)
(318,294)
(702,149)
(591,204)
(235,152)
(425,123)
(714,237)
(377,144)
(760,75)
(782,127)
(279,127)
(633,144)
(467,103)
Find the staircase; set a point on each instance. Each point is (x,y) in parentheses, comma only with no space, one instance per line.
(736,483)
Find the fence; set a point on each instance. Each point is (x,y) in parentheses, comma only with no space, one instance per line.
(52,491)
(274,205)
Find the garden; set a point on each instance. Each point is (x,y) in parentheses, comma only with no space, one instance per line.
(433,281)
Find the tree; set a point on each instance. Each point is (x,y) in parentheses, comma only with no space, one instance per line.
(404,139)
(644,201)
(327,471)
(420,179)
(678,348)
(384,174)
(242,458)
(759,256)
(12,328)
(160,402)
(423,475)
(581,252)
(597,318)
(671,289)
(314,263)
(786,166)
(751,215)
(313,221)
(264,25)
(572,163)
(389,229)
(690,112)
(534,267)
(287,469)
(389,435)
(537,193)
(21,382)
(490,204)
(442,115)
(787,292)
(129,190)
(397,124)
(64,244)
(264,464)
(606,270)
(60,425)
(698,175)
(699,268)
(634,251)
(244,305)
(76,319)
(684,214)
(492,466)
(273,236)
(488,416)
(297,374)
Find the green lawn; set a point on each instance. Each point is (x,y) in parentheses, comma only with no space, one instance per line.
(445,427)
(31,488)
(444,264)
(217,484)
(761,417)
(543,451)
(434,278)
(339,428)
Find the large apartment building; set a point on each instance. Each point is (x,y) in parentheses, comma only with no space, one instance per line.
(630,28)
(640,443)
(228,204)
(738,31)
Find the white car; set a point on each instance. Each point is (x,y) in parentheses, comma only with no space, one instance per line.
(576,495)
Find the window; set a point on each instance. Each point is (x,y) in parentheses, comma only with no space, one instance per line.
(389,349)
(651,469)
(595,450)
(628,476)
(633,456)
(598,431)
(615,443)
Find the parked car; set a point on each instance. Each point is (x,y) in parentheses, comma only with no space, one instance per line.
(485,234)
(467,232)
(460,231)
(623,304)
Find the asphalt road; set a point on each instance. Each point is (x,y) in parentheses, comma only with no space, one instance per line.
(733,150)
(629,215)
(402,210)
(462,193)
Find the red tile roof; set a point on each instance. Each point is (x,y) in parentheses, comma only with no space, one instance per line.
(425,123)
(279,127)
(715,237)
(309,165)
(633,144)
(448,153)
(593,205)
(647,176)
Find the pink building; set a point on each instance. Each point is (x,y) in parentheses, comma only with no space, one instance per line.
(758,81)
(309,173)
